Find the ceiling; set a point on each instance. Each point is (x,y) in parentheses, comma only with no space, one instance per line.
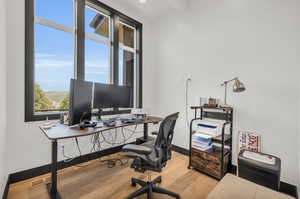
(156,8)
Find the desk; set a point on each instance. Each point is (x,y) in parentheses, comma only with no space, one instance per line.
(61,131)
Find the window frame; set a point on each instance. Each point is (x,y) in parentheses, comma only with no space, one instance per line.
(79,64)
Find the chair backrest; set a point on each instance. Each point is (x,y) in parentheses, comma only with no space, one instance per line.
(164,138)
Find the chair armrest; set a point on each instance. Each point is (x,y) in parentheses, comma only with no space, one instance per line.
(137,149)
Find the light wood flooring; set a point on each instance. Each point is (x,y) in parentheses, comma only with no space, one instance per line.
(94,180)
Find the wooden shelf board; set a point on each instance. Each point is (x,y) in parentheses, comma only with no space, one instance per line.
(215,108)
(218,139)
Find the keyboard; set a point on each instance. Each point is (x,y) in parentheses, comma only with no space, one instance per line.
(131,120)
(123,120)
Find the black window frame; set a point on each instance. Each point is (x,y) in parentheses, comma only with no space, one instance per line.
(79,64)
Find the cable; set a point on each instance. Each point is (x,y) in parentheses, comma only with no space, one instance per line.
(124,137)
(96,145)
(78,146)
(113,162)
(96,141)
(186,101)
(67,158)
(82,116)
(116,135)
(134,130)
(116,143)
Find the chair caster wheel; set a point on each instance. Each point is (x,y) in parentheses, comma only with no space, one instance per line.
(133,184)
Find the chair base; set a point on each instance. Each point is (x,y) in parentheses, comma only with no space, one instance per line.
(149,188)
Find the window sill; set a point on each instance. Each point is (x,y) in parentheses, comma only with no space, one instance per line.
(41,117)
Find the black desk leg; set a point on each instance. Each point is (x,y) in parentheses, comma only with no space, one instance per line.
(52,188)
(145,132)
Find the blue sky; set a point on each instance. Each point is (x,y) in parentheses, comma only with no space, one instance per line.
(54,49)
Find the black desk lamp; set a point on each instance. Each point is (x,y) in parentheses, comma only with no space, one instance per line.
(238,87)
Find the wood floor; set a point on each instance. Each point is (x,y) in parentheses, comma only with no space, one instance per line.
(94,180)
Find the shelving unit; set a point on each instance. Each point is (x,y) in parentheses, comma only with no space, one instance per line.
(217,162)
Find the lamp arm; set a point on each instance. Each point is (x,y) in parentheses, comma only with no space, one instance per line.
(226,82)
(225,85)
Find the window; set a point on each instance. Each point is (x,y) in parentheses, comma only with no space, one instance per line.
(53,54)
(83,39)
(97,46)
(126,54)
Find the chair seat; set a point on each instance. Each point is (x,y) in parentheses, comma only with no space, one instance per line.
(151,160)
(149,143)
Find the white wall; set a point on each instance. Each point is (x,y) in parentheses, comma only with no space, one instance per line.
(213,41)
(3,173)
(298,138)
(27,147)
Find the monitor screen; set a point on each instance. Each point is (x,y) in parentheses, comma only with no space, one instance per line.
(112,96)
(123,97)
(80,101)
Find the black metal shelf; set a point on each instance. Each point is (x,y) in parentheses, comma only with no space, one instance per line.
(218,113)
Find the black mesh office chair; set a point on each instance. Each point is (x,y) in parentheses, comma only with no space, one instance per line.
(153,156)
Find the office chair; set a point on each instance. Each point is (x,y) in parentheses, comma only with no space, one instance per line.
(152,156)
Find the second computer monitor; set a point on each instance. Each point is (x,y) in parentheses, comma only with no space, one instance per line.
(112,96)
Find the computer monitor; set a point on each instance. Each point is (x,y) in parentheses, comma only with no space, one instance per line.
(112,96)
(81,93)
(123,97)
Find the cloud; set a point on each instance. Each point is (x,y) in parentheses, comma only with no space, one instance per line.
(41,55)
(96,73)
(101,64)
(51,60)
(53,63)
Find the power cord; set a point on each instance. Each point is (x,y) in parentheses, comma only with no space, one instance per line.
(78,147)
(97,142)
(116,143)
(66,158)
(186,101)
(111,163)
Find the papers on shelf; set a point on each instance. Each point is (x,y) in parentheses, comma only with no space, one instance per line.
(202,142)
(207,148)
(201,136)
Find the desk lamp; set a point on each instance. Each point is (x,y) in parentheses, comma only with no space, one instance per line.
(238,87)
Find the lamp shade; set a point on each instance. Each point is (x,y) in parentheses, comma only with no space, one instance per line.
(238,86)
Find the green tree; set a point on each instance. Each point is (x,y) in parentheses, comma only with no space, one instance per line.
(41,101)
(64,104)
